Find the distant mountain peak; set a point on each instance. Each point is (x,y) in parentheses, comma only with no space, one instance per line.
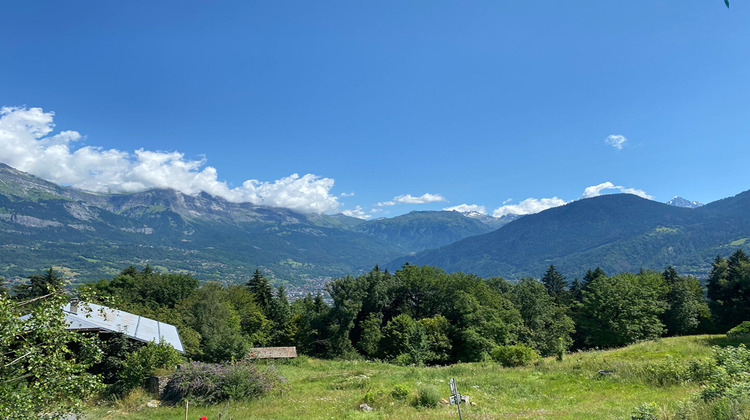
(678,201)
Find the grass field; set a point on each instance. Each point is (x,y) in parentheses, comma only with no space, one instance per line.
(571,389)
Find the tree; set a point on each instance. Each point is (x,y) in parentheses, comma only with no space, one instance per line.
(43,366)
(546,326)
(369,342)
(404,339)
(619,310)
(686,305)
(280,316)
(256,328)
(210,313)
(729,290)
(39,285)
(556,286)
(262,290)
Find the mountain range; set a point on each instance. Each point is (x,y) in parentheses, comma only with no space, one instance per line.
(619,232)
(91,236)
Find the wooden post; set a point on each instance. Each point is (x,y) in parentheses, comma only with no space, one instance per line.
(187,403)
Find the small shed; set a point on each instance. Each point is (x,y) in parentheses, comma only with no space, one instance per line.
(273,352)
(97,318)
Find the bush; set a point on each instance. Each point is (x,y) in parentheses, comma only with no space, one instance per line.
(142,363)
(427,396)
(212,383)
(516,355)
(400,392)
(645,411)
(742,330)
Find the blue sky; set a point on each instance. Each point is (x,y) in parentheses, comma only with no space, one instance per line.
(381,108)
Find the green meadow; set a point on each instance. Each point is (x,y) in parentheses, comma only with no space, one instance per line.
(643,373)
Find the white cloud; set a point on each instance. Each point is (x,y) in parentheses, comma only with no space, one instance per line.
(26,144)
(616,140)
(596,190)
(410,199)
(467,208)
(528,206)
(357,212)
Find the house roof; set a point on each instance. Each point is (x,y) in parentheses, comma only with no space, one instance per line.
(93,317)
(273,352)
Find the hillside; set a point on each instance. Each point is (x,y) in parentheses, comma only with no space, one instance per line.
(617,232)
(571,389)
(420,230)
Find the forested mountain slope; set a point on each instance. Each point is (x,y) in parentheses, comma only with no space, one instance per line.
(616,232)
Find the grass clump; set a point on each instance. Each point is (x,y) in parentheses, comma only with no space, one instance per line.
(427,396)
(133,400)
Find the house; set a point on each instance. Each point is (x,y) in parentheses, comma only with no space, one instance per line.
(82,316)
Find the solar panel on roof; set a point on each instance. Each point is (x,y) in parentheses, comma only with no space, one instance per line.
(90,316)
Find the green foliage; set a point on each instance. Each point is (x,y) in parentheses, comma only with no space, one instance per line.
(369,343)
(622,309)
(556,285)
(142,363)
(42,365)
(427,396)
(686,304)
(400,392)
(515,355)
(742,330)
(261,289)
(39,285)
(645,411)
(211,314)
(404,339)
(546,325)
(731,376)
(729,289)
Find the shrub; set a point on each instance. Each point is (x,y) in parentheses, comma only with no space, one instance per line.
(427,396)
(644,411)
(516,355)
(142,363)
(212,383)
(742,330)
(400,392)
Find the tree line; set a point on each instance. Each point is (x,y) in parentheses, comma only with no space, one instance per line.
(424,315)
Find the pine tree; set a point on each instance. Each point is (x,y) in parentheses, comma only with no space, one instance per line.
(262,290)
(556,285)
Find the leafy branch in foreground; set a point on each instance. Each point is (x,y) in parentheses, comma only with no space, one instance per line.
(42,365)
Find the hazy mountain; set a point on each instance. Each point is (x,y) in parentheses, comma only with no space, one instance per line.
(616,232)
(420,230)
(678,201)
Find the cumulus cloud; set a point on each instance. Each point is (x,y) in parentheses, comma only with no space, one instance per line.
(467,208)
(528,206)
(616,140)
(357,212)
(410,199)
(596,190)
(26,144)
